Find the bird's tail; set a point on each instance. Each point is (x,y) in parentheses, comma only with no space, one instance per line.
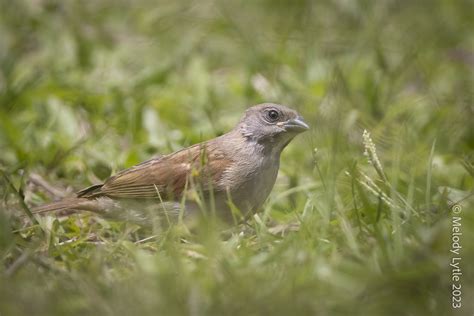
(68,205)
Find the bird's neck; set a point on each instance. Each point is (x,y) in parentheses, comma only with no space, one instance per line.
(242,142)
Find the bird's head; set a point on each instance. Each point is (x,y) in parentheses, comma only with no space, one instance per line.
(271,125)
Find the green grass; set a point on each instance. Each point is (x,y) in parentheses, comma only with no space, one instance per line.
(91,87)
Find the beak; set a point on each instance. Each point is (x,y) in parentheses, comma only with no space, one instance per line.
(296,125)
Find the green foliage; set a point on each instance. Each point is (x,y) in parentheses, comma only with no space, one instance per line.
(91,87)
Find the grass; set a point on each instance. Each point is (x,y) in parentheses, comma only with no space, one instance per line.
(90,88)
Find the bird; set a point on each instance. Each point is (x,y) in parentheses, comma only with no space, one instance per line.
(231,174)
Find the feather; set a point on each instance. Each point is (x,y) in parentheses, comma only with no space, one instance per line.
(166,177)
(69,204)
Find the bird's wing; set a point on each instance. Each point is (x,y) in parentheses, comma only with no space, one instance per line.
(167,177)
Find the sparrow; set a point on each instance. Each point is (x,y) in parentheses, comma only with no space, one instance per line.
(232,173)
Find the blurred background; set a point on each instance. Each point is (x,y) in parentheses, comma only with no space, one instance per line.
(88,88)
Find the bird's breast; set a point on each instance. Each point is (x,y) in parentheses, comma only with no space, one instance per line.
(249,181)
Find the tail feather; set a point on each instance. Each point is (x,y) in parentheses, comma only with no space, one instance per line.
(66,205)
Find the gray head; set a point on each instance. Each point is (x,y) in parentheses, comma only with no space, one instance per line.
(271,124)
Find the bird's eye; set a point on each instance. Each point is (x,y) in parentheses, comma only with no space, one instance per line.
(273,115)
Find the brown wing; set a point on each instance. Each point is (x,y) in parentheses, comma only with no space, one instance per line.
(166,177)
